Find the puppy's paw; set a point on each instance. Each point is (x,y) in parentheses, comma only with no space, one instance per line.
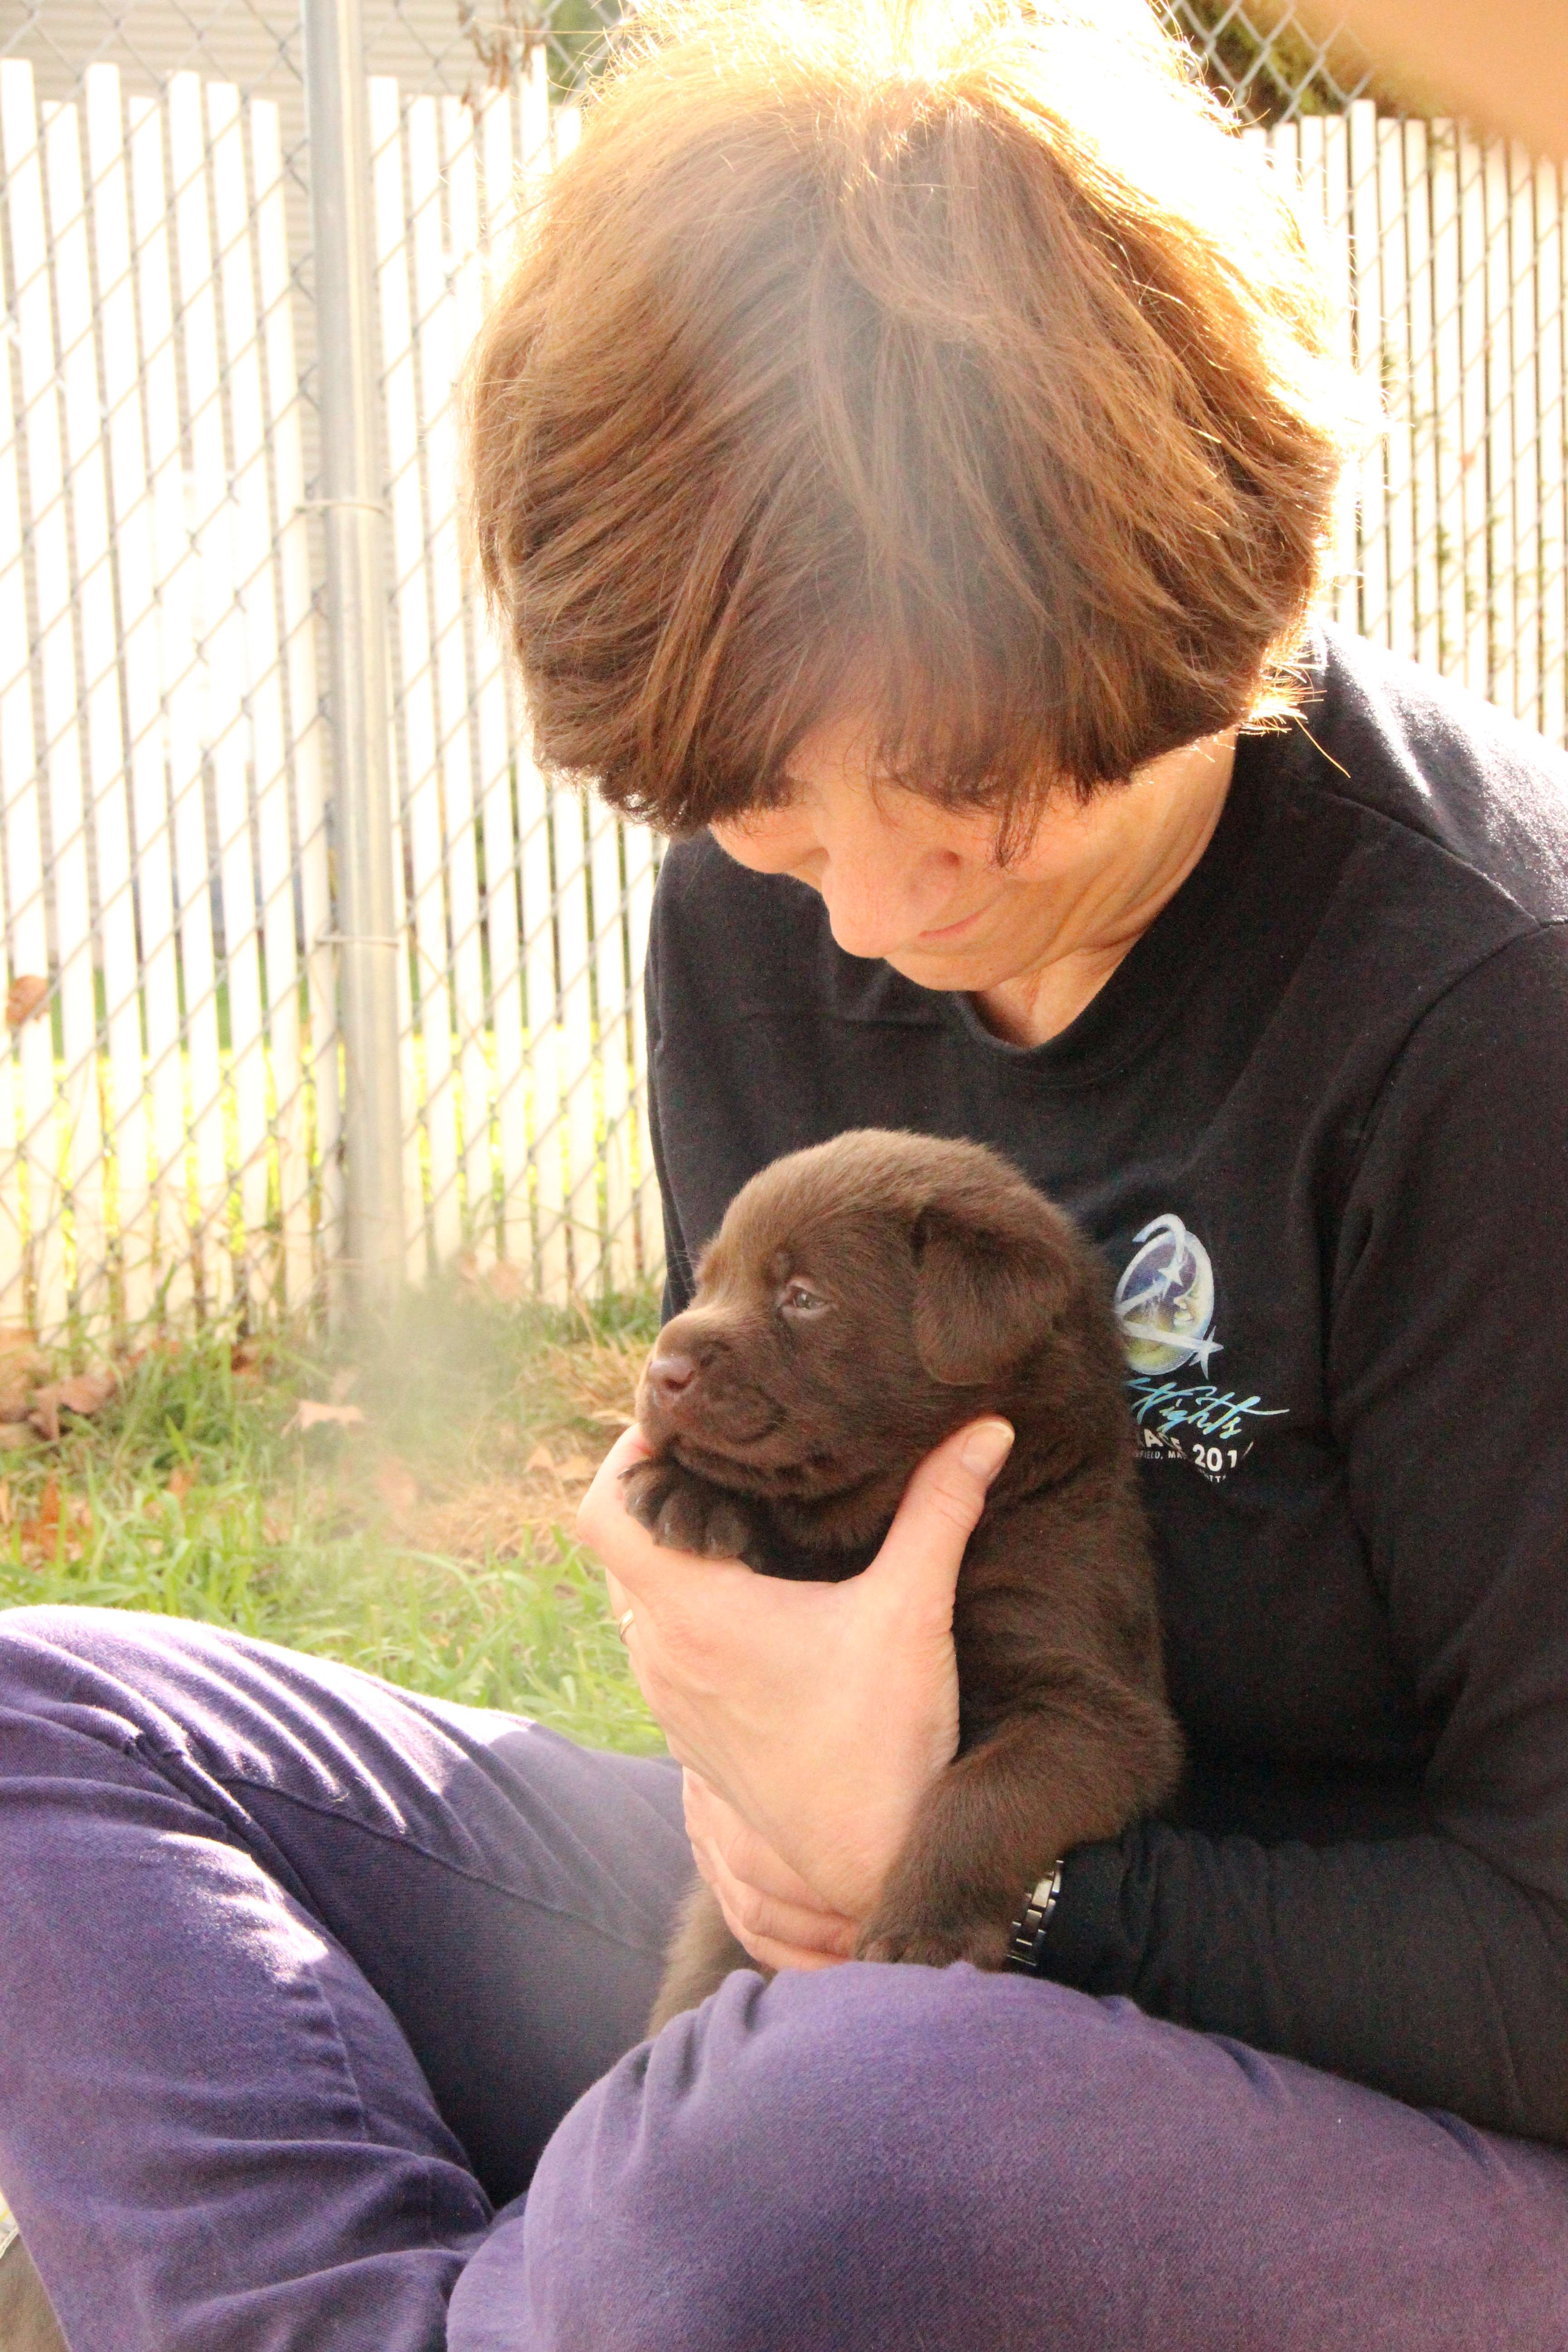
(933,1944)
(684,1513)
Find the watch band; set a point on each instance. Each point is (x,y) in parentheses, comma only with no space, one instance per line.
(1025,1942)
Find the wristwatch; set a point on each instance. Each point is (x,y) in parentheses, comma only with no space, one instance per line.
(1025,1942)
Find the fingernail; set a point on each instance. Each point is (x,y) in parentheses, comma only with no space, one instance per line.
(987,1447)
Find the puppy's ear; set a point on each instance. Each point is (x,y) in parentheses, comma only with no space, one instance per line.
(984,1295)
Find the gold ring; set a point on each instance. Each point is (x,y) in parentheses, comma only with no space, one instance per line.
(622,1623)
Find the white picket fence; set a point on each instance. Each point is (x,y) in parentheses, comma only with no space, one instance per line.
(1445,258)
(169,1116)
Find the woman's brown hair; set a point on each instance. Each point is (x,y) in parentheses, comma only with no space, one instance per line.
(948,358)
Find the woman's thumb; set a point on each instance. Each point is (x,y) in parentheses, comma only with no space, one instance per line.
(942,1502)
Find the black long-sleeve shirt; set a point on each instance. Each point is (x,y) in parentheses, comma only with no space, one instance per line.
(1318,1121)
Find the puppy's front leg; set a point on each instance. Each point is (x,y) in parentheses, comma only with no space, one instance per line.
(1075,1767)
(687,1513)
(702,1953)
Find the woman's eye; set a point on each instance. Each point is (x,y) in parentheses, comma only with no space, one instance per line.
(798,1300)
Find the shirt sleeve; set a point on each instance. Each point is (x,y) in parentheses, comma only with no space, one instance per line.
(1433,1965)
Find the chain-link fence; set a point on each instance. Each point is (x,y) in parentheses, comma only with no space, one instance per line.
(190,897)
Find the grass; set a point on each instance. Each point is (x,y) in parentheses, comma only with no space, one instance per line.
(424,1533)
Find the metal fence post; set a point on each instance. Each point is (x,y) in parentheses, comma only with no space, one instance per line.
(356,585)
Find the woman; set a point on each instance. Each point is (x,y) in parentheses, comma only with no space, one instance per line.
(904,460)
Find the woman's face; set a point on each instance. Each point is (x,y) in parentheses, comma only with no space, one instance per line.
(918,886)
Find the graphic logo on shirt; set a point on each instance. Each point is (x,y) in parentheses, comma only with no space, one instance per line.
(1166,1304)
(1164,1300)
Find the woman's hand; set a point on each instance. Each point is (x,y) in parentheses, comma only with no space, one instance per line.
(817,1712)
(767,1906)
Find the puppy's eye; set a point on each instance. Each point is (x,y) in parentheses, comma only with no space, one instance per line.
(797,1299)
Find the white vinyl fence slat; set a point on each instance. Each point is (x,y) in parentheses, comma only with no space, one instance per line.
(1395,375)
(15,773)
(1448,356)
(56,709)
(79,1160)
(1550,325)
(80,504)
(251,746)
(459,312)
(267,1075)
(202,699)
(1425,416)
(642,871)
(128,548)
(535,830)
(613,1043)
(427,829)
(1474,417)
(315,1121)
(102,852)
(1367,285)
(496,732)
(415,855)
(33,1278)
(579,1136)
(161,647)
(1524,465)
(1501,551)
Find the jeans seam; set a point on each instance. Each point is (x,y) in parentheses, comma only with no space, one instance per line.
(236,1781)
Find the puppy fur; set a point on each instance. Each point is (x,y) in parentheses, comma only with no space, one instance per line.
(859,1302)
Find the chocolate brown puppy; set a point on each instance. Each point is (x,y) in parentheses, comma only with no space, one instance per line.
(859,1302)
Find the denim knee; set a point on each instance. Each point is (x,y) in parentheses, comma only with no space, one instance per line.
(876,2158)
(810,2163)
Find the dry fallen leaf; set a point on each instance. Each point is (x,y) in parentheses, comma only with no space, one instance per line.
(182,1478)
(40,1534)
(16,1435)
(61,1525)
(507,1282)
(309,1414)
(576,1468)
(397,1488)
(23,1365)
(84,1393)
(540,1458)
(27,993)
(504,1280)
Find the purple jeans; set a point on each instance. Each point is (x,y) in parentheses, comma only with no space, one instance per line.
(305,1980)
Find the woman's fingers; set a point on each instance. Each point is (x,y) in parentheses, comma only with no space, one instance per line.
(748,1859)
(771,1954)
(924,1549)
(639,1569)
(767,1906)
(758,1921)
(601,1512)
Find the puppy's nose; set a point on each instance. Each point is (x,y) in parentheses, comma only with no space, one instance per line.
(670,1374)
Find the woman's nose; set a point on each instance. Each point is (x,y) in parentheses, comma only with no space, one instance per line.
(876,906)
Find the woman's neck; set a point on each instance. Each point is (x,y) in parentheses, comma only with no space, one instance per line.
(1153,834)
